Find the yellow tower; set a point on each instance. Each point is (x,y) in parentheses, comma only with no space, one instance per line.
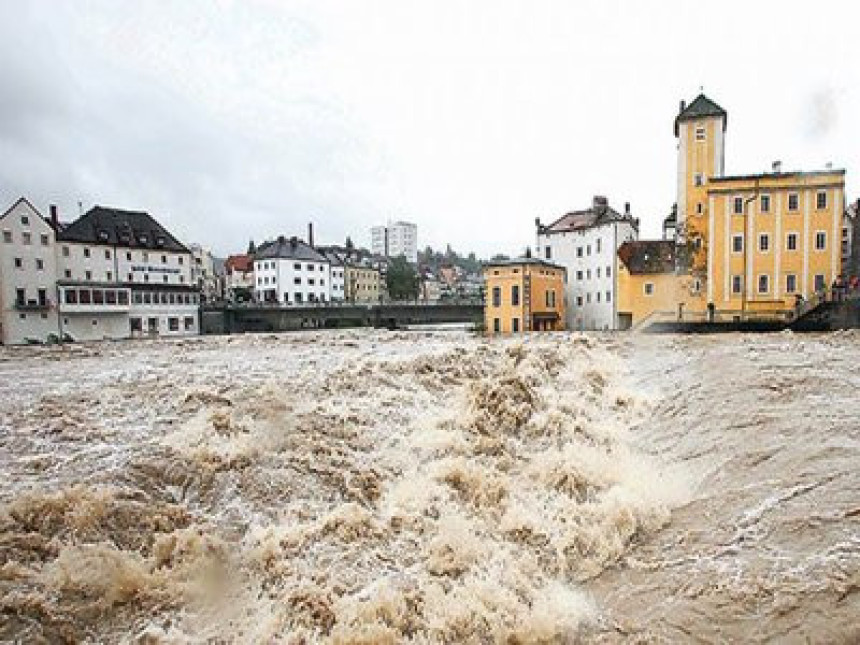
(700,129)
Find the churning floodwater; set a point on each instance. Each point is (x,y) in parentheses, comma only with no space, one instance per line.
(428,486)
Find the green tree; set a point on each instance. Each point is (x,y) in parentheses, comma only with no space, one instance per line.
(402,280)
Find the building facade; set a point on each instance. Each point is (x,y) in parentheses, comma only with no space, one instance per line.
(239,281)
(752,245)
(525,294)
(362,284)
(120,274)
(291,272)
(585,243)
(395,239)
(205,275)
(28,297)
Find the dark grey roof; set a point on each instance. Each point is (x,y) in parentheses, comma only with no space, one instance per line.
(599,213)
(672,218)
(288,249)
(701,107)
(112,226)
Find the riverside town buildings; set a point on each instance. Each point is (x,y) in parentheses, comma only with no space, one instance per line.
(394,240)
(524,294)
(110,274)
(747,246)
(585,243)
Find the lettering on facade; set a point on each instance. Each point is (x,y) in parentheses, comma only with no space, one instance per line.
(139,268)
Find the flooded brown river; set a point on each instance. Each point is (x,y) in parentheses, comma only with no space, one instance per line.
(374,487)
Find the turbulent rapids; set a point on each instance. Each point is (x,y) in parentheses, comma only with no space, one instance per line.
(368,487)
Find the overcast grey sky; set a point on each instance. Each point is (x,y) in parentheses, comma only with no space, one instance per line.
(238,120)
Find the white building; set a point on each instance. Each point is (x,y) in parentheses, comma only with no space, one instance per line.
(394,240)
(289,271)
(337,277)
(120,274)
(111,274)
(586,243)
(28,274)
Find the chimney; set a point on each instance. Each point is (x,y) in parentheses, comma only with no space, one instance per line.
(829,165)
(682,107)
(627,208)
(55,219)
(777,167)
(310,233)
(294,241)
(599,201)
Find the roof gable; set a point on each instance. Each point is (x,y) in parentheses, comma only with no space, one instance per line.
(23,201)
(701,107)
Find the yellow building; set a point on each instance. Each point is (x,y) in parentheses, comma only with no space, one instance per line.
(362,284)
(525,294)
(751,246)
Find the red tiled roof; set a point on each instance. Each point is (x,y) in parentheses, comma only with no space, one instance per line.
(243,263)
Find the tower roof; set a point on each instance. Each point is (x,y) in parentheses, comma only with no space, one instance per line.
(701,106)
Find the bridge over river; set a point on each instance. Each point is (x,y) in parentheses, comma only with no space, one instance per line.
(229,319)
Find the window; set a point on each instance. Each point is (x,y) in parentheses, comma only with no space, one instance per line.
(547,298)
(68,274)
(588,249)
(189,322)
(700,133)
(608,272)
(765,204)
(739,205)
(497,296)
(122,297)
(737,283)
(588,297)
(146,259)
(515,324)
(86,252)
(608,296)
(109,276)
(19,263)
(791,242)
(588,274)
(297,266)
(649,288)
(43,297)
(98,297)
(699,208)
(579,251)
(128,257)
(793,201)
(146,277)
(173,323)
(20,296)
(71,296)
(698,179)
(819,282)
(40,264)
(548,253)
(65,251)
(598,245)
(164,278)
(821,200)
(311,281)
(152,325)
(180,260)
(85,297)
(515,295)
(579,275)
(7,236)
(497,325)
(579,301)
(27,238)
(820,241)
(110,297)
(764,242)
(737,243)
(763,283)
(25,220)
(107,254)
(130,277)
(88,275)
(44,238)
(790,283)
(597,295)
(136,324)
(164,261)
(297,280)
(310,267)
(598,272)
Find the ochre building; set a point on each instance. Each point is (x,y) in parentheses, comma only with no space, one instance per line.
(747,245)
(525,294)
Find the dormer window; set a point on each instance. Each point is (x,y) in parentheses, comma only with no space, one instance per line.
(159,241)
(143,239)
(103,236)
